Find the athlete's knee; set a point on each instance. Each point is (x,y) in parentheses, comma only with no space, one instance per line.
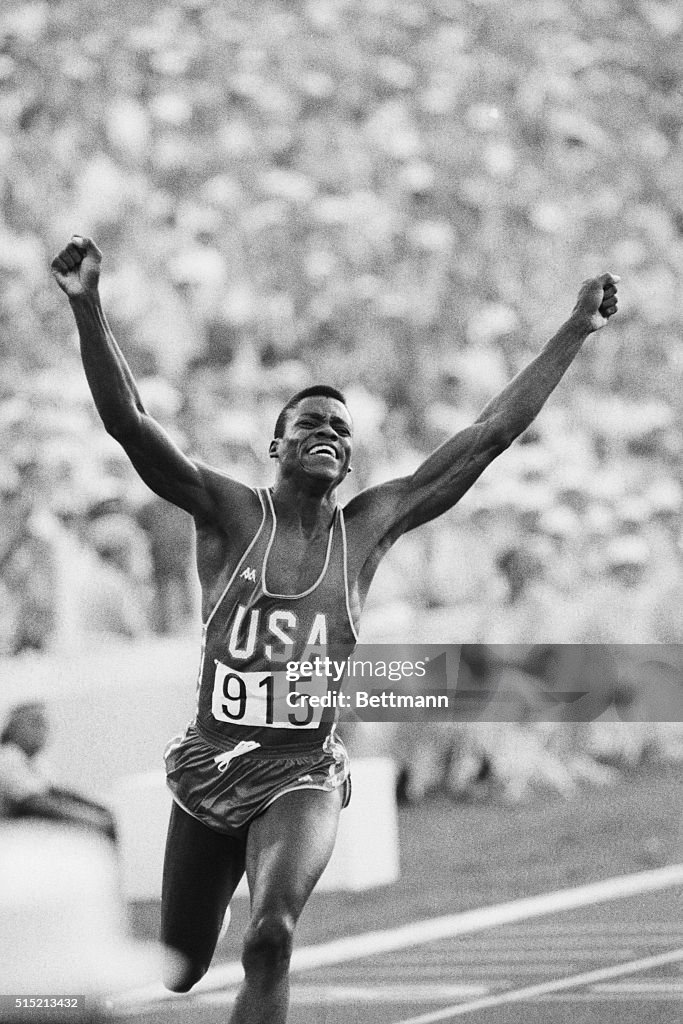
(268,941)
(179,973)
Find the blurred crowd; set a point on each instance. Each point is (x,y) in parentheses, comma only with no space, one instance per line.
(557,542)
(539,717)
(397,197)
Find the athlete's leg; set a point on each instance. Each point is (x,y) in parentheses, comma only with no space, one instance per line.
(288,848)
(202,868)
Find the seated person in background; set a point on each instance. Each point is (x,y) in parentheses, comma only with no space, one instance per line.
(25,792)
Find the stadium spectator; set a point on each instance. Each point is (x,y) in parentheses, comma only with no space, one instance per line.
(30,574)
(618,605)
(528,606)
(107,601)
(25,792)
(171,546)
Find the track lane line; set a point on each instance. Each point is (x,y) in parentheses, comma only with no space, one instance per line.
(546,987)
(334,995)
(521,995)
(359,947)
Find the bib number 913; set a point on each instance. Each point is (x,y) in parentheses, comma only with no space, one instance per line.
(264,699)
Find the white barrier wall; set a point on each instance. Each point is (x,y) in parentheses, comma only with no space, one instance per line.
(365,855)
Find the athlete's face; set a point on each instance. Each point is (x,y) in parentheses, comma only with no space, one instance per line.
(317,440)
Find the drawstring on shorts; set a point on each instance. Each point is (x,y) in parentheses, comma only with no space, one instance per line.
(243,747)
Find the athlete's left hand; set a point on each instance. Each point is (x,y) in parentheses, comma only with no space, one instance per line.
(596,302)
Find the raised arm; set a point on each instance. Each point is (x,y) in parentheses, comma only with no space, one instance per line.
(518,404)
(155,456)
(400,505)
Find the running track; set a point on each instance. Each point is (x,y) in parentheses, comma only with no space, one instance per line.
(611,952)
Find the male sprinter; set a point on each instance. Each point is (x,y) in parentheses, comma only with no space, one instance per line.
(255,787)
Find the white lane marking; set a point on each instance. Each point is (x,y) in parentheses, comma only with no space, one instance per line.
(358,947)
(336,995)
(589,996)
(521,995)
(637,987)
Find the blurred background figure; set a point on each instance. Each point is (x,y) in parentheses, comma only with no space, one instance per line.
(527,606)
(10,498)
(621,602)
(29,563)
(62,926)
(26,791)
(171,547)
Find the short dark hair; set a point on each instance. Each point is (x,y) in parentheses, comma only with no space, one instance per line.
(326,390)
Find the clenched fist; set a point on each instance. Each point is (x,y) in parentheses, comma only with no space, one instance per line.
(76,269)
(596,302)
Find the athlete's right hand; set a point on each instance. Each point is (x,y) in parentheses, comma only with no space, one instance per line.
(76,269)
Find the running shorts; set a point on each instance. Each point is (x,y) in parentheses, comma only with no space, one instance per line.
(227,789)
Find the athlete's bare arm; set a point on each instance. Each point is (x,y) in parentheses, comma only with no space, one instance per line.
(383,513)
(205,493)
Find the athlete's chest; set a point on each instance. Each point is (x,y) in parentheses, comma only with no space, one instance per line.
(288,593)
(293,563)
(283,560)
(281,568)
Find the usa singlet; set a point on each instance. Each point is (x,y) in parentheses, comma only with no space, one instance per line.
(250,687)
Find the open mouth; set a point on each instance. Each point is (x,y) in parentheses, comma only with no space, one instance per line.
(325,450)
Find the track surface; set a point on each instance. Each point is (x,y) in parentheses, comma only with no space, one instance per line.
(615,961)
(619,961)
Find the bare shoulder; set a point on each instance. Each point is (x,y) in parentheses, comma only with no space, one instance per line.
(234,505)
(373,518)
(375,507)
(233,515)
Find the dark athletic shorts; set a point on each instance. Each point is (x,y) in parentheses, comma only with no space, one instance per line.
(227,789)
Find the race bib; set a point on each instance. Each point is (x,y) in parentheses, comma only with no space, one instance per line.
(265,700)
